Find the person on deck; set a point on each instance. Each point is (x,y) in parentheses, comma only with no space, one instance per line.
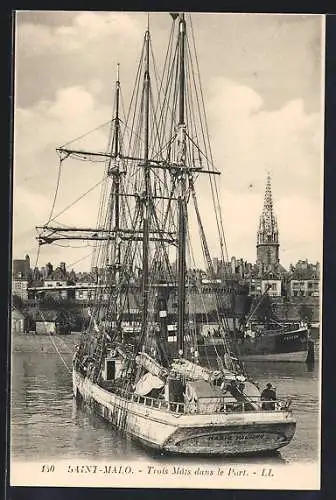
(268,395)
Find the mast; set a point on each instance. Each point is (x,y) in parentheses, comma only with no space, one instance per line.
(115,202)
(145,240)
(116,179)
(182,212)
(116,154)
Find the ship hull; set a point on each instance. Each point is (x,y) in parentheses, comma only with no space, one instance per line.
(222,434)
(292,357)
(291,346)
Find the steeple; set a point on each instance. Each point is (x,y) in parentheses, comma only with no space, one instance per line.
(268,233)
(268,203)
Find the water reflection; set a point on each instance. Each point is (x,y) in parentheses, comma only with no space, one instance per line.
(47,421)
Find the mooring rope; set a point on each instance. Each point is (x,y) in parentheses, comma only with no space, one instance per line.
(55,346)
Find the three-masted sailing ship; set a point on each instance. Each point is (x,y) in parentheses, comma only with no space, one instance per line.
(156,159)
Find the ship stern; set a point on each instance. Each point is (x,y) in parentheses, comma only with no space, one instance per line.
(231,439)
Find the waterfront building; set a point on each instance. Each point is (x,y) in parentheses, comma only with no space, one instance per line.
(304,288)
(83,293)
(254,287)
(20,287)
(19,321)
(72,275)
(85,289)
(304,279)
(57,279)
(21,267)
(46,324)
(21,276)
(273,287)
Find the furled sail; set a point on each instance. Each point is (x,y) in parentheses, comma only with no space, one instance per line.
(147,383)
(197,372)
(151,365)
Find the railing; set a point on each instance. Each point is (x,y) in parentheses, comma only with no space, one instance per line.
(251,405)
(148,401)
(287,328)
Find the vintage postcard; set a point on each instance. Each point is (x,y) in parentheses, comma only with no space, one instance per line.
(167,250)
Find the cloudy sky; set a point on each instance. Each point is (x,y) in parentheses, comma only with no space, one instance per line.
(263,83)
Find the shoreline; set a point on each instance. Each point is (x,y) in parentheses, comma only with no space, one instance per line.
(44,343)
(28,342)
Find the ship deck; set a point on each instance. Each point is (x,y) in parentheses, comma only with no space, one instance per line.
(235,428)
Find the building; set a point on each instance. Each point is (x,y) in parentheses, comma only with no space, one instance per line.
(304,279)
(19,321)
(20,287)
(21,267)
(37,275)
(254,287)
(42,327)
(304,288)
(21,276)
(55,287)
(272,286)
(305,270)
(268,234)
(85,290)
(54,283)
(45,322)
(56,279)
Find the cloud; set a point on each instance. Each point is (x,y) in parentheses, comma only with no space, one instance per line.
(300,228)
(73,112)
(88,28)
(38,130)
(302,231)
(247,141)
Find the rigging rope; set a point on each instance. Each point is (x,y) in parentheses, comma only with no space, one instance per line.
(85,134)
(77,200)
(222,234)
(79,260)
(56,191)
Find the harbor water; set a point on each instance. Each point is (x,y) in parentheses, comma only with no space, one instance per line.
(47,423)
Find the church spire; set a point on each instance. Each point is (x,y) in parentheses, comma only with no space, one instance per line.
(268,233)
(268,226)
(268,202)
